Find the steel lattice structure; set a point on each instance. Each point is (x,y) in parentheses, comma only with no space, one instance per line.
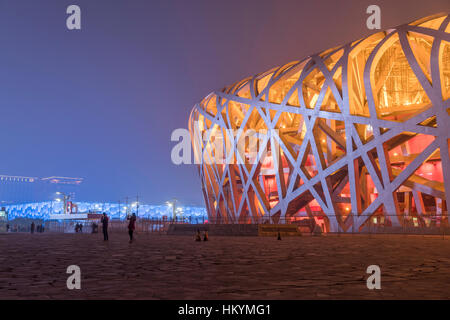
(356,132)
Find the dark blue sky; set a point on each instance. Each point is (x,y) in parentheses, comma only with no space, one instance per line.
(101,103)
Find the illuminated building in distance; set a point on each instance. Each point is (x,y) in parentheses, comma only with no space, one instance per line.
(54,210)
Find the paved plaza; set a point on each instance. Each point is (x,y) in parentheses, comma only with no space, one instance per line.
(176,267)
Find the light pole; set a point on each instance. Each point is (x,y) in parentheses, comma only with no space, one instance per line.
(180,211)
(173,204)
(136,206)
(65,198)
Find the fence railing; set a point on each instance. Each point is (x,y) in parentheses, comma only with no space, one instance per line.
(428,223)
(142,225)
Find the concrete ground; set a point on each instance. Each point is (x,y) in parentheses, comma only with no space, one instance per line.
(176,267)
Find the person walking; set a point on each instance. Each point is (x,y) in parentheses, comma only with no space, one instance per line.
(104,220)
(32,227)
(131,226)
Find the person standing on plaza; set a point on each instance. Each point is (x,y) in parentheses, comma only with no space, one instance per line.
(131,226)
(198,236)
(32,227)
(104,220)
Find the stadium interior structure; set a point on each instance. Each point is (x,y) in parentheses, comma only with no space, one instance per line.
(353,135)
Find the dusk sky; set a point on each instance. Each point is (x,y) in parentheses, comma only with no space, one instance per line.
(101,102)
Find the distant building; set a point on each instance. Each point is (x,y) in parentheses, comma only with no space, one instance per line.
(19,189)
(3,214)
(53,210)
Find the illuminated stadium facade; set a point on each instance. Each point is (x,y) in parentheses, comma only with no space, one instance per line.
(53,210)
(350,135)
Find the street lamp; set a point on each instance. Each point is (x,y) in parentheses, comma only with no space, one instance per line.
(180,212)
(173,204)
(65,198)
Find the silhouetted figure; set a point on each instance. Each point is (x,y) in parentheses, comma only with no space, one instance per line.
(279,236)
(131,226)
(317,230)
(198,236)
(7,228)
(104,220)
(205,236)
(32,227)
(80,227)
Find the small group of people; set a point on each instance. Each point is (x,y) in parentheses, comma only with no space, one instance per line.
(94,227)
(39,228)
(14,228)
(198,236)
(79,227)
(131,226)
